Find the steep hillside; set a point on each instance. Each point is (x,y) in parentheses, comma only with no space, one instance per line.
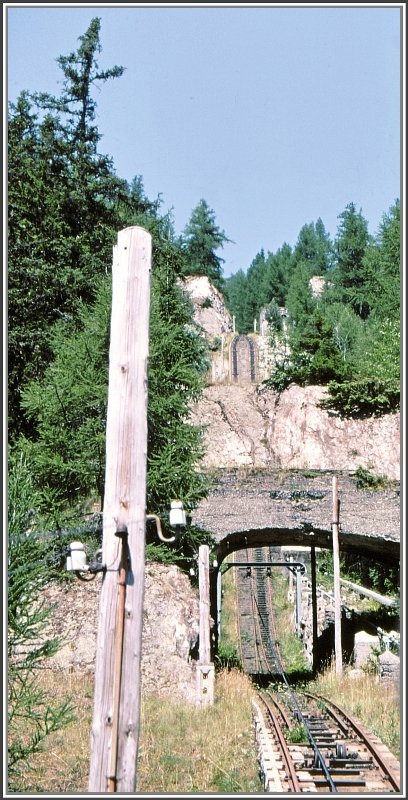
(252,426)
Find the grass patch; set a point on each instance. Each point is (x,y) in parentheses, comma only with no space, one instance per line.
(290,646)
(63,765)
(182,748)
(375,704)
(228,647)
(193,750)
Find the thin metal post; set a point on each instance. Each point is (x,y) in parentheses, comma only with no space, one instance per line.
(314,606)
(219,601)
(336,579)
(112,780)
(298,599)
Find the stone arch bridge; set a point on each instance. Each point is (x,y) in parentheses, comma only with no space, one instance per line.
(278,508)
(251,508)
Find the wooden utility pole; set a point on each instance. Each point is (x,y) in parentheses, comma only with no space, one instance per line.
(336,578)
(115,729)
(205,669)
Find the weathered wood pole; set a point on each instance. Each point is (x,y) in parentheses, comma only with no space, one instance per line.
(336,579)
(124,511)
(205,671)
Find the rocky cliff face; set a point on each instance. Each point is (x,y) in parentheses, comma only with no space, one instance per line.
(170,629)
(252,426)
(210,311)
(248,425)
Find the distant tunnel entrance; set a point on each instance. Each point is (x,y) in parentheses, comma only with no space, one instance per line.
(243,360)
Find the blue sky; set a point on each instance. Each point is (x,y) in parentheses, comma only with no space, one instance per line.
(275,115)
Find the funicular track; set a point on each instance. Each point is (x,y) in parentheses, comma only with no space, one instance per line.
(306,743)
(256,627)
(336,753)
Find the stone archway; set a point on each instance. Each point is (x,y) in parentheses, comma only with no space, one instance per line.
(243,360)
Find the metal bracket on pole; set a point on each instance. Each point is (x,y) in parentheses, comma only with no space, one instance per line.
(205,684)
(159,529)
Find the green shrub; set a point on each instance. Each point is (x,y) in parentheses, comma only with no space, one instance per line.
(227,657)
(366,480)
(362,398)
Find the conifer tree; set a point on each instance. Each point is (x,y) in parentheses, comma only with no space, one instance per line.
(67,407)
(64,199)
(202,238)
(278,273)
(313,246)
(235,298)
(32,713)
(350,275)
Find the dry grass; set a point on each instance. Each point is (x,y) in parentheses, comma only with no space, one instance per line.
(63,765)
(182,748)
(376,705)
(229,621)
(189,749)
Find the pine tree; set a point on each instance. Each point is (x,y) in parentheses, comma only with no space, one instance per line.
(64,211)
(67,407)
(350,275)
(235,298)
(278,272)
(32,713)
(255,297)
(202,238)
(382,262)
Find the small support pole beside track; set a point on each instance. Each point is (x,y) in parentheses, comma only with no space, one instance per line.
(298,599)
(205,669)
(314,606)
(336,579)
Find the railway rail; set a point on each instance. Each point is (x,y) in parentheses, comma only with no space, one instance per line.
(259,655)
(307,743)
(335,753)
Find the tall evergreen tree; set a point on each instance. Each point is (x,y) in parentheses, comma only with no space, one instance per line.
(63,203)
(67,407)
(300,301)
(235,297)
(382,262)
(350,275)
(255,297)
(313,247)
(278,272)
(202,238)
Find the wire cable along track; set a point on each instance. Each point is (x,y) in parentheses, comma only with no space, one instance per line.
(309,743)
(335,754)
(258,652)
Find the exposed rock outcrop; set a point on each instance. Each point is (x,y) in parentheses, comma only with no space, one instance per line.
(210,311)
(170,628)
(252,426)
